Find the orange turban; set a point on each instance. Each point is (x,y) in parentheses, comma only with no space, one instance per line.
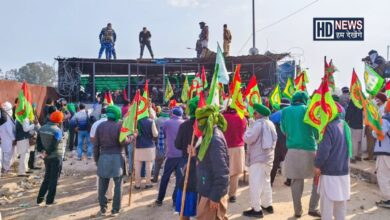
(56,117)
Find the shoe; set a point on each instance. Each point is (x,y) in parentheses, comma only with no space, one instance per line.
(29,172)
(36,168)
(109,200)
(102,212)
(89,158)
(148,186)
(353,161)
(287,183)
(367,159)
(298,215)
(383,204)
(232,199)
(50,204)
(79,159)
(315,214)
(114,214)
(137,187)
(64,159)
(253,213)
(153,180)
(269,209)
(158,203)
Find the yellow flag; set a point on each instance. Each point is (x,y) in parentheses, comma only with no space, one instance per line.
(168,91)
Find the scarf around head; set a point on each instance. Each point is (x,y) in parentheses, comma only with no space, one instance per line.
(208,117)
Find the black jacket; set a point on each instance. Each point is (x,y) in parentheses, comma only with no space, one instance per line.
(354,116)
(144,37)
(213,171)
(184,136)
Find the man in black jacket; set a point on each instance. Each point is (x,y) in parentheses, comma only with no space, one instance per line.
(213,168)
(354,118)
(144,39)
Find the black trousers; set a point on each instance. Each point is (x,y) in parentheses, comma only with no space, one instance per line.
(31,160)
(49,185)
(73,139)
(147,43)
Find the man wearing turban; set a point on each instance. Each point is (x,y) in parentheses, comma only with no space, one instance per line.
(183,140)
(302,146)
(213,166)
(49,143)
(109,155)
(261,139)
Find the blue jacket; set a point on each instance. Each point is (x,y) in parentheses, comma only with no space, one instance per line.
(145,135)
(332,153)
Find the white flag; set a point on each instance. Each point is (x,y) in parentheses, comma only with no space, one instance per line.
(223,76)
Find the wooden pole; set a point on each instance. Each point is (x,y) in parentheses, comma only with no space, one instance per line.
(183,196)
(132,153)
(132,172)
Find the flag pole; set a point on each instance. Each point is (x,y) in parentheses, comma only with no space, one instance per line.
(183,196)
(132,154)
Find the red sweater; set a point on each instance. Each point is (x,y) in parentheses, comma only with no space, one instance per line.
(236,127)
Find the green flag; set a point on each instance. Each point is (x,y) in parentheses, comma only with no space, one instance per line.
(275,98)
(289,89)
(373,118)
(24,108)
(222,73)
(373,81)
(252,95)
(129,121)
(185,90)
(143,106)
(322,109)
(213,98)
(168,91)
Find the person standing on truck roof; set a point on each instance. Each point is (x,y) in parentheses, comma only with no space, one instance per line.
(144,39)
(107,39)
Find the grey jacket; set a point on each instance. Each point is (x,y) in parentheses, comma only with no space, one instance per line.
(261,138)
(213,170)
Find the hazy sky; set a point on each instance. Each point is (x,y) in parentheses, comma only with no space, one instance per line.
(41,30)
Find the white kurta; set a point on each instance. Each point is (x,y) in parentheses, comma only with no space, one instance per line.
(7,135)
(336,188)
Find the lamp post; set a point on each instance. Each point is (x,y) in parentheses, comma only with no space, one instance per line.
(253,50)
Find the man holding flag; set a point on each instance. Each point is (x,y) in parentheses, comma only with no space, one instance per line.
(213,165)
(109,156)
(26,127)
(183,142)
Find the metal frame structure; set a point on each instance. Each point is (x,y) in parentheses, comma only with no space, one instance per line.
(71,70)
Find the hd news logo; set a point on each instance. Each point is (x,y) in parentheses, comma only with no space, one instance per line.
(335,29)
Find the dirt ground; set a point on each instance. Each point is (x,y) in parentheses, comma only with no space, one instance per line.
(77,199)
